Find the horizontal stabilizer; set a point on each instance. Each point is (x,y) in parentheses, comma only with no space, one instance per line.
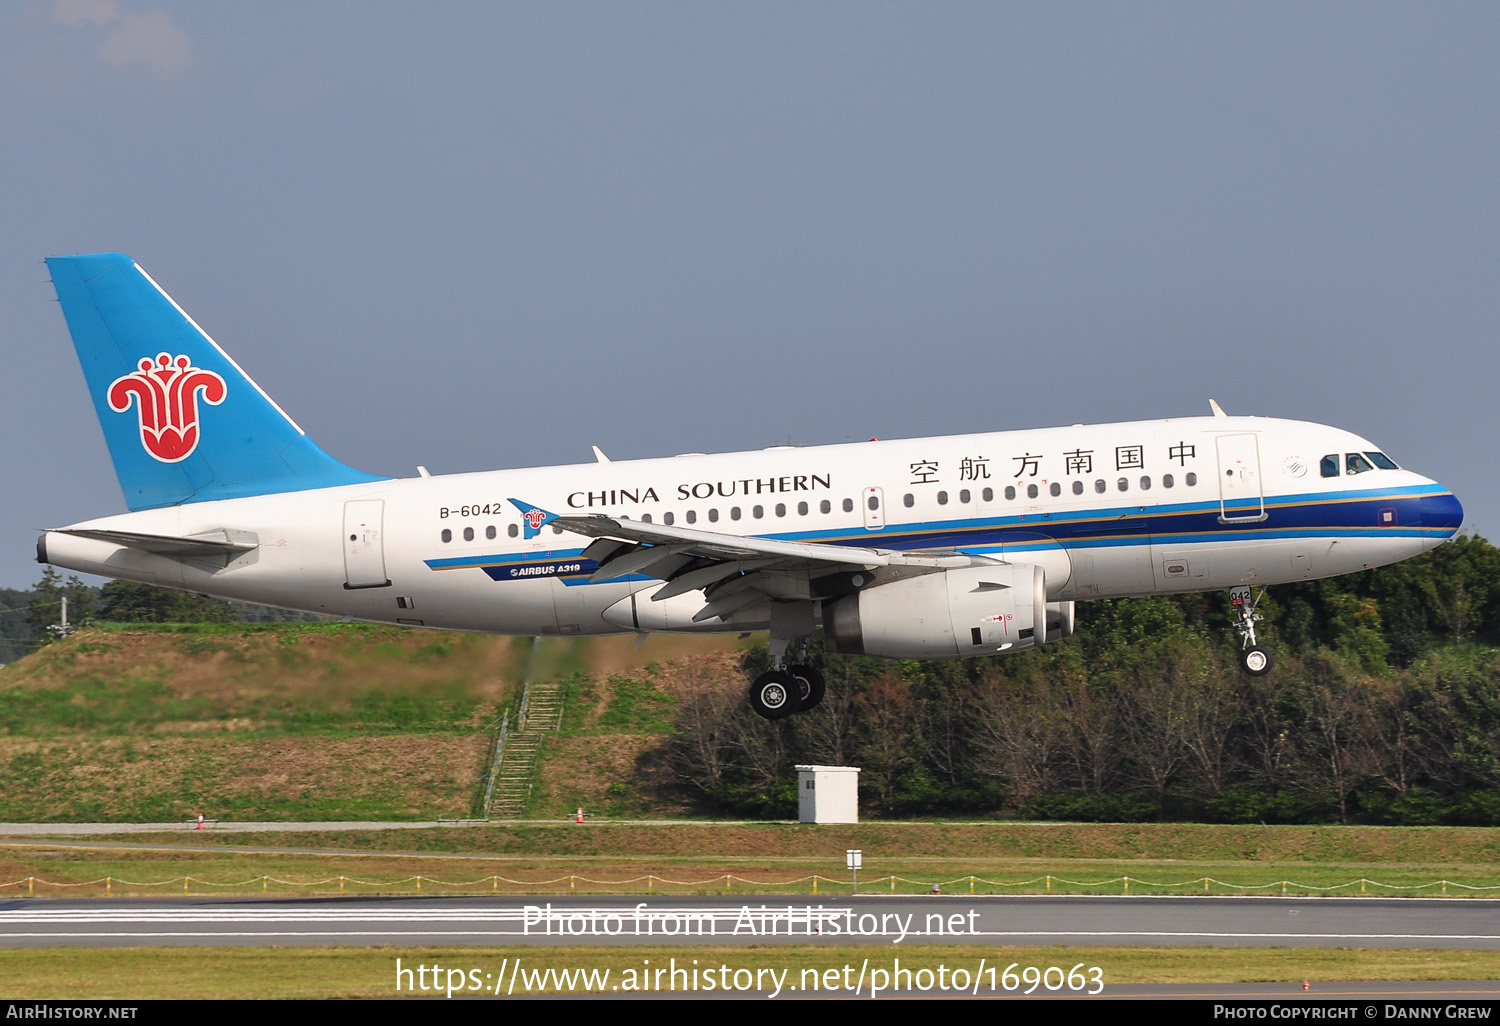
(211,543)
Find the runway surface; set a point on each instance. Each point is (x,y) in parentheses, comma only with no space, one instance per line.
(876,920)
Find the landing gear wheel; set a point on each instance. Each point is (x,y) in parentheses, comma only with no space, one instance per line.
(1256,661)
(810,685)
(775,695)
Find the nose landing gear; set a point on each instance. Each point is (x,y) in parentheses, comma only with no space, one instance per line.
(1254,660)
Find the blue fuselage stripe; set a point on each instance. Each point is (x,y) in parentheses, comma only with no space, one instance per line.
(1313,515)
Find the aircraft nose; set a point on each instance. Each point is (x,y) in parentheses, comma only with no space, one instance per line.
(1443,512)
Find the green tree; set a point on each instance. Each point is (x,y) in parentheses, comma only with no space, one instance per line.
(129,602)
(45,610)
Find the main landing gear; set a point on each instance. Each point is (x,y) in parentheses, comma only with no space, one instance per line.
(1254,660)
(777,694)
(786,689)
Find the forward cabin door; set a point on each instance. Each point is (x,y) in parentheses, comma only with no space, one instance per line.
(364,545)
(1241,498)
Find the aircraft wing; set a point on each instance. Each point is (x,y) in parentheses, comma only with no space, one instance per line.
(725,565)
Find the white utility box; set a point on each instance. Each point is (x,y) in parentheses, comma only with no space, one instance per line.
(828,794)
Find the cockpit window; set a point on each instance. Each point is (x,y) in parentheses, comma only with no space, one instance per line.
(1330,465)
(1382,461)
(1354,463)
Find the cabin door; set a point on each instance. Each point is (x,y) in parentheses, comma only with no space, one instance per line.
(1241,499)
(364,544)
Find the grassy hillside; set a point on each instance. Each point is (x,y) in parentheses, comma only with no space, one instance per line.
(287,721)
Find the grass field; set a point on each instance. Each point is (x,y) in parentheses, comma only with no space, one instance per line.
(334,972)
(775,858)
(290,721)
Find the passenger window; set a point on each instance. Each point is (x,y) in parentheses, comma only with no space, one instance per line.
(489,532)
(1166,481)
(713,515)
(825,506)
(1010,491)
(1382,461)
(692,516)
(988,495)
(757,512)
(1191,478)
(734,513)
(512,530)
(1329,465)
(1354,463)
(908,500)
(802,509)
(468,534)
(874,502)
(781,509)
(942,498)
(645,518)
(1123,484)
(1099,486)
(1077,487)
(447,536)
(1055,489)
(1145,484)
(848,505)
(667,518)
(963,495)
(1031,491)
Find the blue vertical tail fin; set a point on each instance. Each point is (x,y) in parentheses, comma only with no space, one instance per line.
(184,423)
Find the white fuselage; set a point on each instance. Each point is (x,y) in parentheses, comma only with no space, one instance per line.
(1106,510)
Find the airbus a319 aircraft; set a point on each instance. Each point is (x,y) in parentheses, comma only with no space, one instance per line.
(965,545)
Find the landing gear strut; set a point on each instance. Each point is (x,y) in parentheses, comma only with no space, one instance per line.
(1254,660)
(783,690)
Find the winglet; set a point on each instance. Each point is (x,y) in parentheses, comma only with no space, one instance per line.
(1213,404)
(533,517)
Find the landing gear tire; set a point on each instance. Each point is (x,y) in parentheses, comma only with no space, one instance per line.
(775,695)
(1256,661)
(810,686)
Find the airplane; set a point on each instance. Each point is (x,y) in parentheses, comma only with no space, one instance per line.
(924,548)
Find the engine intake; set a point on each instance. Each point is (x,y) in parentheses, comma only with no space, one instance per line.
(976,611)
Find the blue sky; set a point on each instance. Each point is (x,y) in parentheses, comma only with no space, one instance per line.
(488,235)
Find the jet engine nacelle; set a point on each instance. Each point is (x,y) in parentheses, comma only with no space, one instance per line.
(1059,620)
(975,611)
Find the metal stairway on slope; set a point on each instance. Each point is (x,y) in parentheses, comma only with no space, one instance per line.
(518,748)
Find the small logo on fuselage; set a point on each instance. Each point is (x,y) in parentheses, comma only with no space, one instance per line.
(166,396)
